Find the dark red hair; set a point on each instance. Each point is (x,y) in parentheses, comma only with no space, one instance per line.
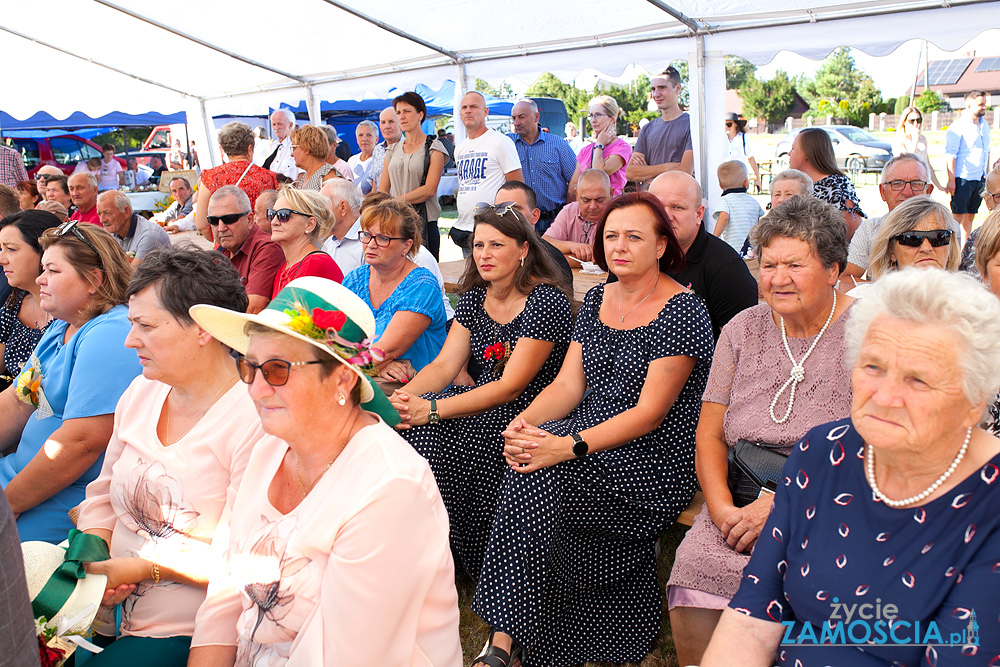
(673,257)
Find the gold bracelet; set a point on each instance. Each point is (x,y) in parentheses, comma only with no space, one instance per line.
(156,572)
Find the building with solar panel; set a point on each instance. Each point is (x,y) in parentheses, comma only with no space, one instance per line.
(953,78)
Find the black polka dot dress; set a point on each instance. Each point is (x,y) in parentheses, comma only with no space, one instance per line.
(570,569)
(466,454)
(19,339)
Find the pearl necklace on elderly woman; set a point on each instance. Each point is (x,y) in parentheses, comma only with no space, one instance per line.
(870,460)
(798,373)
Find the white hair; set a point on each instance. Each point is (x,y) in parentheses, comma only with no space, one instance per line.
(368,123)
(242,198)
(118,198)
(289,116)
(341,189)
(530,102)
(795,175)
(954,302)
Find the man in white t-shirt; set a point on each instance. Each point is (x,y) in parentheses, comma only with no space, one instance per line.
(484,161)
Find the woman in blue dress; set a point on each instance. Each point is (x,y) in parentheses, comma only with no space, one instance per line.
(570,569)
(60,410)
(406,298)
(512,327)
(883,544)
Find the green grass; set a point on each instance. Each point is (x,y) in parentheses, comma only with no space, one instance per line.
(474,632)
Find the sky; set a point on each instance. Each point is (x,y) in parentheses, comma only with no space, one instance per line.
(893,73)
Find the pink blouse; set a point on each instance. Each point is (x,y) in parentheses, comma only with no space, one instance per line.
(164,503)
(359,573)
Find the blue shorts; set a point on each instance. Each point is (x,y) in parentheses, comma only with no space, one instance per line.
(968,195)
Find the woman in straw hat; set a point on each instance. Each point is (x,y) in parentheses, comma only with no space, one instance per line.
(338,549)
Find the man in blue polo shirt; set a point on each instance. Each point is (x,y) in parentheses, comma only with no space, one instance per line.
(967,154)
(547,161)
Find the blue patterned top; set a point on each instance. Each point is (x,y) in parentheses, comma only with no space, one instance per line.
(831,553)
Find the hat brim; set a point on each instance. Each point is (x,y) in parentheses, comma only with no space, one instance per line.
(40,560)
(229,328)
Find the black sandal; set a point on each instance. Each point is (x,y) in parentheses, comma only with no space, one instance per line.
(492,656)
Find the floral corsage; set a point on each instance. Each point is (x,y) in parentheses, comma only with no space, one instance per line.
(29,386)
(500,353)
(325,325)
(56,644)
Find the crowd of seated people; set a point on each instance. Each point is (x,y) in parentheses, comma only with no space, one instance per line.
(288,448)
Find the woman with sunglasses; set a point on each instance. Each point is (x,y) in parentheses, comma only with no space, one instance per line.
(22,320)
(300,221)
(60,410)
(740,147)
(237,141)
(182,437)
(512,328)
(919,232)
(409,314)
(608,152)
(910,139)
(413,168)
(338,539)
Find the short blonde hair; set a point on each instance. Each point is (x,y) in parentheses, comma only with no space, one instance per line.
(904,218)
(732,174)
(313,140)
(608,104)
(314,205)
(987,242)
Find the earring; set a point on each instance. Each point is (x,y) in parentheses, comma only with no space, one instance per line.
(522,261)
(341,400)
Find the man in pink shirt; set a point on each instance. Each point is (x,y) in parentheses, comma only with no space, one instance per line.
(83,192)
(574,228)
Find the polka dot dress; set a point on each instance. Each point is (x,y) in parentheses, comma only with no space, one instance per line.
(829,548)
(465,454)
(19,339)
(570,569)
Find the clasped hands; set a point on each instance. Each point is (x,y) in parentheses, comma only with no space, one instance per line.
(528,448)
(741,526)
(123,573)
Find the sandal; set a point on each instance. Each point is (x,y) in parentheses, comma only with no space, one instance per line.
(492,656)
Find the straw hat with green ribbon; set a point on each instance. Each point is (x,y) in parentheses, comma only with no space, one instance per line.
(58,584)
(324,314)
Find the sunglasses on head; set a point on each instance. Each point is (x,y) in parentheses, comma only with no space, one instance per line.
(275,371)
(228,219)
(69,227)
(503,208)
(283,214)
(937,238)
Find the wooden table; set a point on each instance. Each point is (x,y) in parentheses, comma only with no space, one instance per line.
(582,283)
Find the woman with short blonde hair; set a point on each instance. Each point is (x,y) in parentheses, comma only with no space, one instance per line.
(608,152)
(300,222)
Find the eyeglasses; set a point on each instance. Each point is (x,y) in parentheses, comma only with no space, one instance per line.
(914,121)
(228,219)
(937,238)
(503,208)
(592,116)
(275,371)
(381,240)
(70,227)
(900,185)
(987,193)
(283,214)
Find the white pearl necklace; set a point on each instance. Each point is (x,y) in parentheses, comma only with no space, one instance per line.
(870,460)
(798,373)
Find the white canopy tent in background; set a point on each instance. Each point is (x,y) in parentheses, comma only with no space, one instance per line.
(226,57)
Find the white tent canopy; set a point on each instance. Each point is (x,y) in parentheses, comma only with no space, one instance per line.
(225,57)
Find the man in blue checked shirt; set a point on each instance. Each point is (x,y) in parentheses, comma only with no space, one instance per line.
(547,161)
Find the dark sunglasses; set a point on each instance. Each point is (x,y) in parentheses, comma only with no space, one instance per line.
(275,371)
(381,240)
(69,227)
(283,214)
(730,123)
(937,237)
(228,219)
(915,121)
(503,208)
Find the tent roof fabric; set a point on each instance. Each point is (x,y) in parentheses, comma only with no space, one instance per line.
(42,120)
(133,55)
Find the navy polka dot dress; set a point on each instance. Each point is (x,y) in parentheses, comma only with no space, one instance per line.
(466,454)
(19,339)
(831,553)
(570,569)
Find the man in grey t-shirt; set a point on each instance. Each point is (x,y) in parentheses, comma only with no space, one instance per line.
(664,143)
(136,234)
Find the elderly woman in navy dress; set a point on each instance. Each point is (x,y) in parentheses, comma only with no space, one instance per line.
(895,506)
(592,486)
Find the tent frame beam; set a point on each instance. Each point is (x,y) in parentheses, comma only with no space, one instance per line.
(696,27)
(455,57)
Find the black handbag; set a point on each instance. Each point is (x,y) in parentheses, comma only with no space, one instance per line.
(754,470)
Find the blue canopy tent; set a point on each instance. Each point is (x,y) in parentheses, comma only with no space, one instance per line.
(78,119)
(344,115)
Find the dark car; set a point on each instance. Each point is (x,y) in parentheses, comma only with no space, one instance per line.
(63,151)
(857,151)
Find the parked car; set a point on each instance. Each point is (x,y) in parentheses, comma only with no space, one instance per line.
(857,151)
(63,151)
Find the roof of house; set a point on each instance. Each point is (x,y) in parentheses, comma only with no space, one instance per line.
(958,76)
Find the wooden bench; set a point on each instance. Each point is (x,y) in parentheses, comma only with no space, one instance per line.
(694,509)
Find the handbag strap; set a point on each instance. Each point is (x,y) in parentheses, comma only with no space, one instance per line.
(427,158)
(244,173)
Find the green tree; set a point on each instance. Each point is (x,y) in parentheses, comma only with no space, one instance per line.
(842,90)
(504,90)
(770,100)
(929,101)
(739,72)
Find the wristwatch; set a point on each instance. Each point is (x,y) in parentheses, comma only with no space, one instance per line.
(580,446)
(596,146)
(433,417)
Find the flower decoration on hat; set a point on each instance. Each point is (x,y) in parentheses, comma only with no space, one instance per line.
(325,326)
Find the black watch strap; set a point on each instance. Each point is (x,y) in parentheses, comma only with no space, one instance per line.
(580,446)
